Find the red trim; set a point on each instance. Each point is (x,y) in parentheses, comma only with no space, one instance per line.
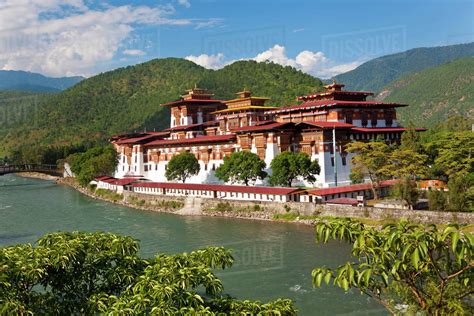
(185,141)
(333,103)
(219,187)
(328,125)
(349,188)
(190,101)
(384,129)
(262,127)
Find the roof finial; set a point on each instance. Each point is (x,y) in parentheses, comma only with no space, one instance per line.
(334,81)
(195,85)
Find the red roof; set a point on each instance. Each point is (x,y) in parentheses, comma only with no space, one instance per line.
(196,140)
(349,188)
(261,127)
(102,178)
(343,201)
(384,129)
(219,187)
(125,181)
(314,96)
(190,101)
(332,103)
(141,139)
(327,124)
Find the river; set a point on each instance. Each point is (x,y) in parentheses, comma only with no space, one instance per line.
(272,259)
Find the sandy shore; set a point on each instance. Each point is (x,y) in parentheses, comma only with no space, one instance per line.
(37,175)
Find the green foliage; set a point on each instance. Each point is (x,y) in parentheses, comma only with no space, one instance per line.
(411,139)
(289,166)
(435,93)
(128,99)
(370,162)
(242,166)
(459,197)
(181,167)
(379,72)
(428,268)
(407,191)
(437,200)
(101,273)
(454,152)
(109,195)
(97,161)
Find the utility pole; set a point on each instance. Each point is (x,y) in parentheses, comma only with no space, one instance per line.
(334,152)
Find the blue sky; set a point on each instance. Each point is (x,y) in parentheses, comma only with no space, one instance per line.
(323,38)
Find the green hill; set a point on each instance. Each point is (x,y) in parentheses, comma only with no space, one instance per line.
(434,94)
(129,99)
(379,72)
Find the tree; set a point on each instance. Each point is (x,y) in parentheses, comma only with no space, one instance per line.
(457,200)
(403,163)
(407,191)
(181,167)
(411,139)
(289,166)
(102,273)
(428,268)
(242,166)
(437,200)
(453,152)
(97,161)
(370,161)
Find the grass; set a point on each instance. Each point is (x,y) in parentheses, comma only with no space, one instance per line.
(109,195)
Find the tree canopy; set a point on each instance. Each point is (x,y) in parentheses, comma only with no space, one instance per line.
(289,166)
(102,273)
(242,166)
(182,166)
(94,162)
(405,267)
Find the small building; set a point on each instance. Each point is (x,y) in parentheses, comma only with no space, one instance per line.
(438,185)
(348,191)
(117,185)
(224,192)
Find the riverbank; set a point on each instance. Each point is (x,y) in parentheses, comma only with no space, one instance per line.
(37,175)
(299,213)
(181,206)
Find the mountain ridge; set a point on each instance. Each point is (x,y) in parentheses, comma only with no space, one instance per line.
(19,80)
(434,94)
(379,72)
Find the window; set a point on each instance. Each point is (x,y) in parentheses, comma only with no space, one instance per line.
(332,161)
(349,118)
(343,158)
(156,167)
(364,118)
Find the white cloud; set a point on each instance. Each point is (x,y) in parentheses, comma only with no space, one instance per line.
(313,63)
(208,61)
(185,3)
(133,52)
(67,37)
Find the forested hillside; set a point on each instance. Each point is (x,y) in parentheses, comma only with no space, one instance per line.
(129,99)
(379,72)
(434,94)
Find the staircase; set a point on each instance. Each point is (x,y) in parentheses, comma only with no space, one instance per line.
(192,206)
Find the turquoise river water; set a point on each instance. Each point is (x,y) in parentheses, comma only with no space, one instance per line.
(271,259)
